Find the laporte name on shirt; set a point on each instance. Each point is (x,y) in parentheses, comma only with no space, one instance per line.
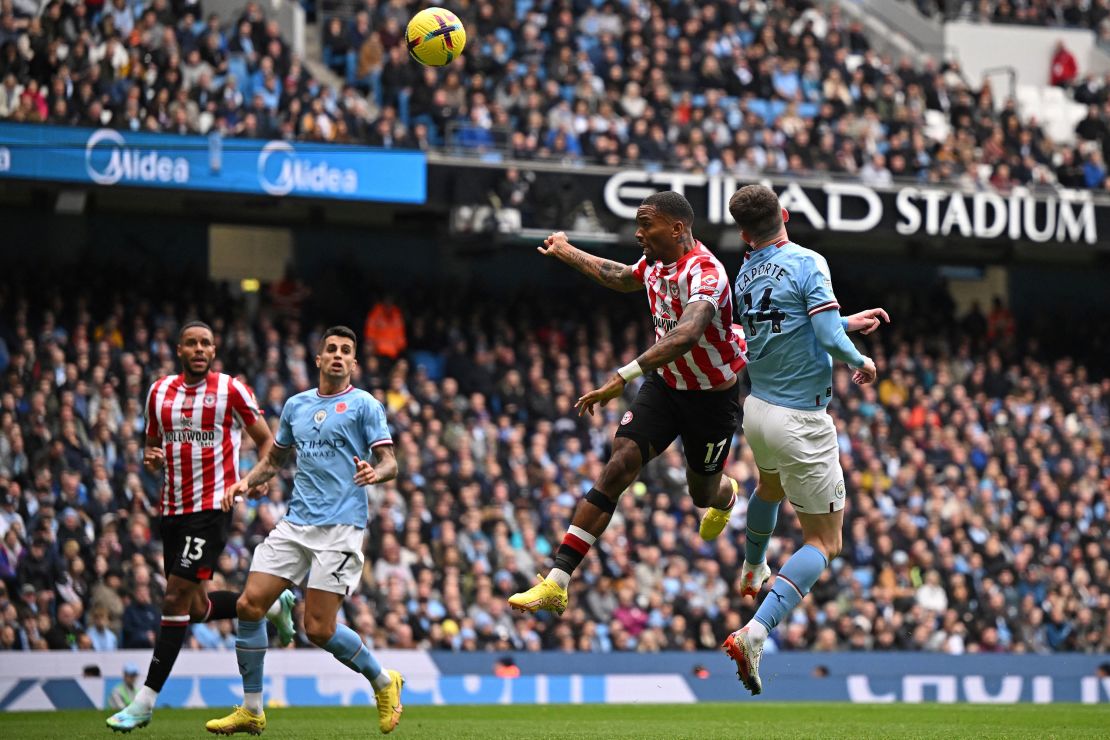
(767,269)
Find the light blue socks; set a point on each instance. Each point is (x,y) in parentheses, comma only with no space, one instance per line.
(348,649)
(762,518)
(792,584)
(250,649)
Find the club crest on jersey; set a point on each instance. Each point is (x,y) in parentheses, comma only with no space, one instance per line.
(626,418)
(319,416)
(340,407)
(674,288)
(209,400)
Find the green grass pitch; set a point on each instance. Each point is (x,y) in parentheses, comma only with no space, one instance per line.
(599,722)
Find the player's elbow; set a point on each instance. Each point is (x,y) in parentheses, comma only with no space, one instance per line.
(688,340)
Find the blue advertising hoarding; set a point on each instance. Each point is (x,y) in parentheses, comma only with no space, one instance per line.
(57,679)
(108,157)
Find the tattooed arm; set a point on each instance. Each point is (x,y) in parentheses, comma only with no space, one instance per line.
(264,470)
(602,271)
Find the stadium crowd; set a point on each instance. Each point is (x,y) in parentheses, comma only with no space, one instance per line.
(744,88)
(978,472)
(1092,14)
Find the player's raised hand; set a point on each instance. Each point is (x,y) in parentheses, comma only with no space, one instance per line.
(553,243)
(364,472)
(154,458)
(603,395)
(867,321)
(234,493)
(865,374)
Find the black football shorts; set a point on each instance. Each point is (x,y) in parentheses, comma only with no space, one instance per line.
(192,543)
(706,421)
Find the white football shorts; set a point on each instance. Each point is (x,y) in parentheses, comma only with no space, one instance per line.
(800,446)
(330,555)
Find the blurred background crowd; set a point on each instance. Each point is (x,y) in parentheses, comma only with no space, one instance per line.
(978,474)
(748,88)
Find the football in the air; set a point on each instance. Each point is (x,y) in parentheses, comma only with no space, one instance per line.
(435,36)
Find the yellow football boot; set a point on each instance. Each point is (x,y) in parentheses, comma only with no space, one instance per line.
(546,595)
(239,720)
(715,520)
(389,703)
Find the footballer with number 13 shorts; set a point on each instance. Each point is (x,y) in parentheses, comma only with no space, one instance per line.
(194,422)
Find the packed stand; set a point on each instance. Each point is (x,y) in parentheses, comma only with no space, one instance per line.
(1089,14)
(978,476)
(750,88)
(160,66)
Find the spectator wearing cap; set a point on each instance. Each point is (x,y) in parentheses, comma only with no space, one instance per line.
(124,692)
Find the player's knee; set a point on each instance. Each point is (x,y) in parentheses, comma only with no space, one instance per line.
(829,543)
(623,467)
(700,493)
(177,602)
(245,608)
(318,631)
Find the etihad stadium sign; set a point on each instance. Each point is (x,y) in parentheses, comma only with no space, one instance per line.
(1062,216)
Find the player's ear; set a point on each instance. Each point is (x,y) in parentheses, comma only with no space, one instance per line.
(785,215)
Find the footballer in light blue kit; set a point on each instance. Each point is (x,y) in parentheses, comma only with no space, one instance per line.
(331,428)
(784,299)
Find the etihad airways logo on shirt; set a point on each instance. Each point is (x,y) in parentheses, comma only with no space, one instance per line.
(320,448)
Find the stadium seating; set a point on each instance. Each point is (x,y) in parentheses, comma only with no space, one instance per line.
(529,89)
(977,472)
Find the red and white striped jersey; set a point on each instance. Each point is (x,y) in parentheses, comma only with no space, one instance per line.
(200,427)
(696,276)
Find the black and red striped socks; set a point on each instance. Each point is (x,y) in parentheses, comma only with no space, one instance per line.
(576,543)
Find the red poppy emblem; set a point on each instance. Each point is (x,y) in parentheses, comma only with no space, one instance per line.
(340,407)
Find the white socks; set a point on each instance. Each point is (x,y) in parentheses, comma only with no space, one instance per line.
(756,631)
(252,702)
(145,699)
(381,681)
(559,576)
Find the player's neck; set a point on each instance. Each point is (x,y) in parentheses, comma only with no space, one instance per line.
(776,239)
(193,379)
(333,386)
(686,244)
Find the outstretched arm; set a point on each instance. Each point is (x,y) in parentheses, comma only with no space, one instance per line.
(830,335)
(866,321)
(605,272)
(677,342)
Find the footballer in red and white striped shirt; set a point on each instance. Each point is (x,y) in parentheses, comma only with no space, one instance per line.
(194,425)
(194,421)
(696,276)
(690,388)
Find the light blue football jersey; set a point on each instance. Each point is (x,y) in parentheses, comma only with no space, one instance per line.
(778,288)
(328,431)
